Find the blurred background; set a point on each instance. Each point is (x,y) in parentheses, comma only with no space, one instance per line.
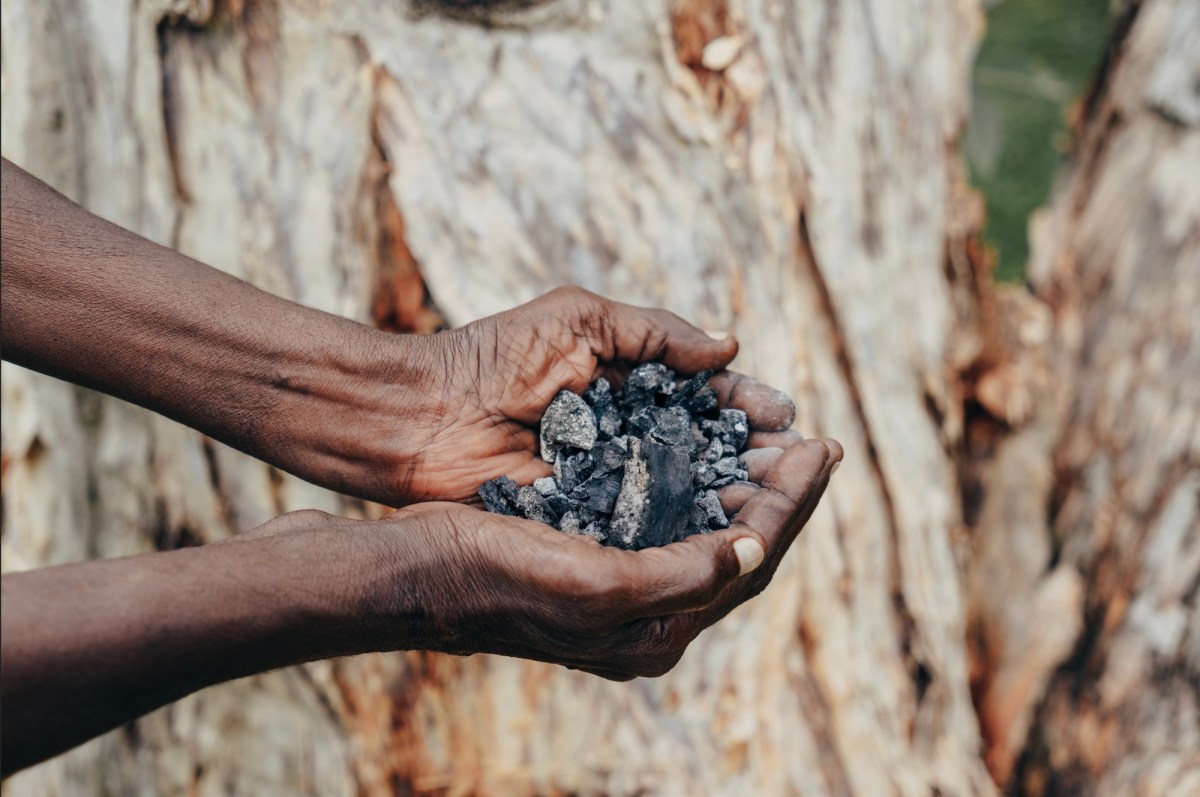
(965,236)
(1033,66)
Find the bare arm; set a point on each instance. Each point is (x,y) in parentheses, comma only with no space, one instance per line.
(87,647)
(392,418)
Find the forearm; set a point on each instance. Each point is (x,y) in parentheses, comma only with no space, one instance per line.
(87,301)
(88,647)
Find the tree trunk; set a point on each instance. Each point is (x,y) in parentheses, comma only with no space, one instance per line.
(785,170)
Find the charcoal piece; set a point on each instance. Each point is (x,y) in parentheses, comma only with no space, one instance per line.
(598,393)
(703,403)
(721,481)
(532,505)
(715,451)
(569,523)
(672,426)
(572,470)
(608,418)
(496,497)
(703,474)
(727,466)
(642,420)
(698,524)
(560,504)
(694,396)
(738,429)
(714,516)
(568,421)
(654,505)
(654,379)
(609,456)
(545,486)
(599,493)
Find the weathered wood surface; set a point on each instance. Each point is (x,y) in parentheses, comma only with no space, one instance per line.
(785,170)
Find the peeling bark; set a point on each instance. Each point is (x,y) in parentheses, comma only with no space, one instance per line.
(787,171)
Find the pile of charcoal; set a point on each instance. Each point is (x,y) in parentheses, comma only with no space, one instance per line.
(637,468)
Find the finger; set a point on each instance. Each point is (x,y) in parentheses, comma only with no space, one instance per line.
(767,409)
(631,334)
(686,575)
(735,496)
(759,462)
(786,491)
(783,440)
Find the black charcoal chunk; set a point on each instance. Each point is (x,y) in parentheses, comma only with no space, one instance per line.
(568,421)
(572,470)
(560,504)
(532,505)
(715,451)
(609,456)
(642,420)
(599,493)
(654,505)
(545,486)
(714,516)
(608,418)
(695,396)
(672,426)
(703,474)
(496,495)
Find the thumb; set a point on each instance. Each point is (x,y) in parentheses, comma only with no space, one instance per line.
(689,575)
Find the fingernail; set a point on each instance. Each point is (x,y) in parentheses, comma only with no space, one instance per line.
(749,554)
(836,465)
(716,334)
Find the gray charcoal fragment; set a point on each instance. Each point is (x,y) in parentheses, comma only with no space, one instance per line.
(560,504)
(727,466)
(642,421)
(672,426)
(532,505)
(494,499)
(716,451)
(545,486)
(568,421)
(508,489)
(738,429)
(569,523)
(714,516)
(651,378)
(703,474)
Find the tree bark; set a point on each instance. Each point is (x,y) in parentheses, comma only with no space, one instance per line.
(788,171)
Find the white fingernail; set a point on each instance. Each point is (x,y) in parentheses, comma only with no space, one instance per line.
(836,465)
(749,554)
(716,334)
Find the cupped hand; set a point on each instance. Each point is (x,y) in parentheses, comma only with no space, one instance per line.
(474,413)
(456,579)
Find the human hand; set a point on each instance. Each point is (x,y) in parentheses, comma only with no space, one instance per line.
(463,406)
(474,582)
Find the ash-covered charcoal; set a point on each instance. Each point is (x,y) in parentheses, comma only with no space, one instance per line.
(500,495)
(714,515)
(608,418)
(635,468)
(653,507)
(532,505)
(568,421)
